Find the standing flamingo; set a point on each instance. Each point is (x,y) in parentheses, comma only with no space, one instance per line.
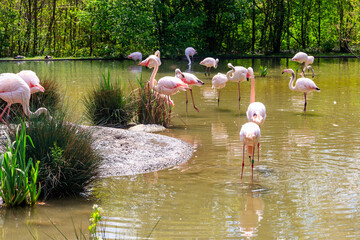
(304,85)
(190,52)
(303,59)
(256,111)
(190,80)
(219,81)
(13,89)
(250,137)
(153,61)
(237,74)
(208,63)
(136,56)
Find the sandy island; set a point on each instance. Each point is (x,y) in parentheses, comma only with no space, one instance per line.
(127,152)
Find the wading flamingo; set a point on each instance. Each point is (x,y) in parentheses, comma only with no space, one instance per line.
(208,63)
(256,111)
(190,52)
(153,61)
(303,59)
(190,80)
(136,56)
(237,74)
(312,70)
(218,82)
(304,85)
(250,137)
(13,89)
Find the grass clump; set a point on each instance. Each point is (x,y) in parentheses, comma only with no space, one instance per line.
(152,107)
(107,104)
(18,175)
(68,163)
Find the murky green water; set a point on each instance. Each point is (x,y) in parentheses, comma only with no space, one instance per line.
(306,185)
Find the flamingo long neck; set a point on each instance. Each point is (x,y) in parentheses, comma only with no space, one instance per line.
(252,95)
(153,74)
(188,58)
(291,81)
(38,112)
(230,74)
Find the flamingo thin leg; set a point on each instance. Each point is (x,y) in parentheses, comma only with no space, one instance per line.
(252,164)
(2,114)
(258,152)
(239,94)
(242,167)
(305,103)
(192,97)
(186,101)
(219,97)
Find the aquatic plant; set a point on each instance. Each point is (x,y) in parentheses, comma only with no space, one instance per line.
(263,71)
(152,108)
(18,175)
(68,163)
(94,220)
(108,105)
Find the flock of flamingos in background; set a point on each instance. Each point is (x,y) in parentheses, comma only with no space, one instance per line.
(256,113)
(17,88)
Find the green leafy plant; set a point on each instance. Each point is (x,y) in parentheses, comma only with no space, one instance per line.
(152,108)
(94,220)
(107,104)
(263,71)
(68,163)
(18,175)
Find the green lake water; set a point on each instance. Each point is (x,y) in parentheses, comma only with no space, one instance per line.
(306,185)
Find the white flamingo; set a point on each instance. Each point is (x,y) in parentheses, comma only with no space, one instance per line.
(190,52)
(153,61)
(191,80)
(237,74)
(13,89)
(250,137)
(304,85)
(218,82)
(208,63)
(303,59)
(136,56)
(31,80)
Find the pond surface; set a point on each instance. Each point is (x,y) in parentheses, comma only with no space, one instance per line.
(306,185)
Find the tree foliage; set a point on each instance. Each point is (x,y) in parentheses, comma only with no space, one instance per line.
(117,27)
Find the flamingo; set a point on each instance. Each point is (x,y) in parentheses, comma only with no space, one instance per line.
(250,137)
(256,111)
(190,52)
(136,56)
(303,59)
(237,74)
(219,81)
(312,70)
(153,61)
(208,63)
(31,80)
(13,89)
(304,85)
(190,80)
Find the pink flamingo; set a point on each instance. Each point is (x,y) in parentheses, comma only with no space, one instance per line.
(208,63)
(13,89)
(219,81)
(153,61)
(303,59)
(136,56)
(31,80)
(237,74)
(190,80)
(304,85)
(190,52)
(256,111)
(250,137)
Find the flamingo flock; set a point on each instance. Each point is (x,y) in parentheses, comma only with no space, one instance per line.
(250,132)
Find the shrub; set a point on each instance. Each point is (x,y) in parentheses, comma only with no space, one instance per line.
(107,104)
(68,164)
(152,108)
(18,175)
